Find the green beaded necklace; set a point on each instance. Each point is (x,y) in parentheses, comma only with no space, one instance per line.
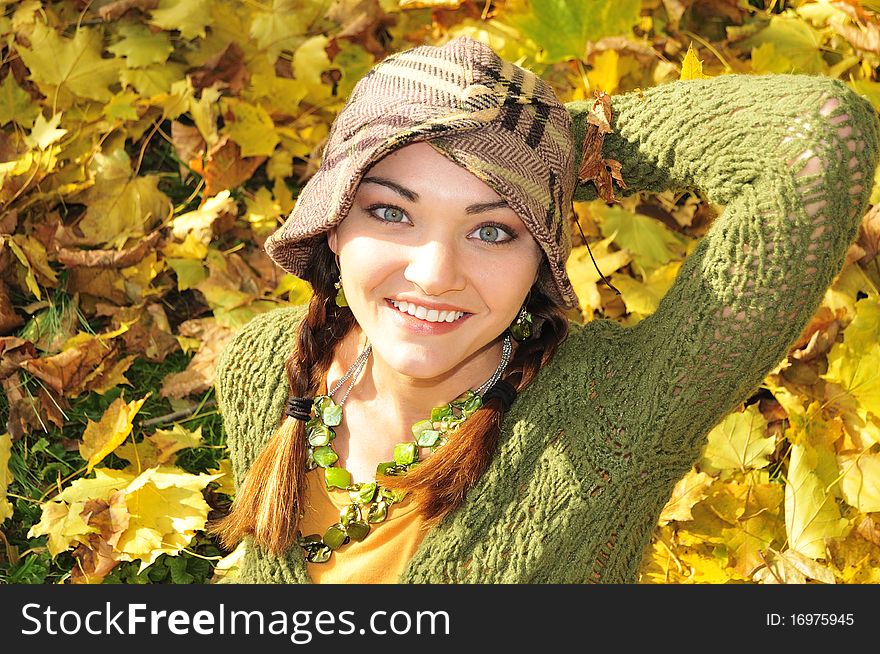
(432,433)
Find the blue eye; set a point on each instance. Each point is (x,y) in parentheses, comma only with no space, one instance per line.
(494,234)
(390,214)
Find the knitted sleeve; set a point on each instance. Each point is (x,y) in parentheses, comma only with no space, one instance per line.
(792,158)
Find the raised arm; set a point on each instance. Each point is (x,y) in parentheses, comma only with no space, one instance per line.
(792,158)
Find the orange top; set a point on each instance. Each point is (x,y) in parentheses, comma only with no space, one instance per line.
(378,559)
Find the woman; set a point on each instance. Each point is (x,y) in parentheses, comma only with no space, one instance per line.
(435,231)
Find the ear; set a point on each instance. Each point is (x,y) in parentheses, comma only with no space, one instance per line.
(332,240)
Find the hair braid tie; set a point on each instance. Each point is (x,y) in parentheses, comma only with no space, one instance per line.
(299,408)
(504,391)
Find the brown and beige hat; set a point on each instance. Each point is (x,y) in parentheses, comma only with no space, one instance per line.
(499,121)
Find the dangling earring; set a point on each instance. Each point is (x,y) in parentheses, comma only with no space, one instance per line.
(521,328)
(340,293)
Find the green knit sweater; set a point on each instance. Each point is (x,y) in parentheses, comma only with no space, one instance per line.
(590,451)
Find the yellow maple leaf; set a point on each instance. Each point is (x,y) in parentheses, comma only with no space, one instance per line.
(199,222)
(643,297)
(189,17)
(226,480)
(854,362)
(120,205)
(159,448)
(692,66)
(739,442)
(63,524)
(251,127)
(811,514)
(102,437)
(166,509)
(16,105)
(860,483)
(605,73)
(6,477)
(141,46)
(585,276)
(45,132)
(689,490)
(71,66)
(281,27)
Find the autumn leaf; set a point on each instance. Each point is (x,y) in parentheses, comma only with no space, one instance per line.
(692,66)
(562,28)
(102,437)
(649,241)
(739,442)
(860,482)
(16,105)
(120,205)
(854,363)
(140,46)
(159,448)
(6,477)
(72,65)
(811,515)
(251,127)
(689,490)
(189,17)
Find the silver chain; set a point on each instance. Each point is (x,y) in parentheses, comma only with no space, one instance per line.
(355,369)
(506,349)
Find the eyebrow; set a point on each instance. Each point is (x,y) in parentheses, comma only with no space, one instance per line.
(412,196)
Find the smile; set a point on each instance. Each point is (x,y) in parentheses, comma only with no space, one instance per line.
(428,315)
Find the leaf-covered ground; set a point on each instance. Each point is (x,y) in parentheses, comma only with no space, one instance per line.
(148,147)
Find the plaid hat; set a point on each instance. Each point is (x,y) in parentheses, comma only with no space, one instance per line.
(497,120)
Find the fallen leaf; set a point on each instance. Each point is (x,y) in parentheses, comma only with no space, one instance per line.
(200,374)
(6,477)
(692,66)
(118,8)
(226,69)
(689,490)
(109,258)
(102,437)
(225,168)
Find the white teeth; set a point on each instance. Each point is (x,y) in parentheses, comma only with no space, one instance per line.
(428,315)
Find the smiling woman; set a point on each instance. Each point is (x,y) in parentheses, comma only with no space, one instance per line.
(432,416)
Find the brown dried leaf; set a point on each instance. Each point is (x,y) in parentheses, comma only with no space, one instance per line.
(200,374)
(116,9)
(109,258)
(93,562)
(869,528)
(9,319)
(226,168)
(869,234)
(66,372)
(151,335)
(188,144)
(593,167)
(226,69)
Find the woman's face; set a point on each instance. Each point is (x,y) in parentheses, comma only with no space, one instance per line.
(428,235)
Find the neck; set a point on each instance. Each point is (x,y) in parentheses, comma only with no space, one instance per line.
(404,400)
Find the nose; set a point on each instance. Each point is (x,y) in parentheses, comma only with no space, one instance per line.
(435,268)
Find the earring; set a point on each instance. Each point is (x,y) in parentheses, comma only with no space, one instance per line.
(521,328)
(340,294)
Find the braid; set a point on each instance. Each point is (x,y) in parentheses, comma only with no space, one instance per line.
(440,483)
(269,502)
